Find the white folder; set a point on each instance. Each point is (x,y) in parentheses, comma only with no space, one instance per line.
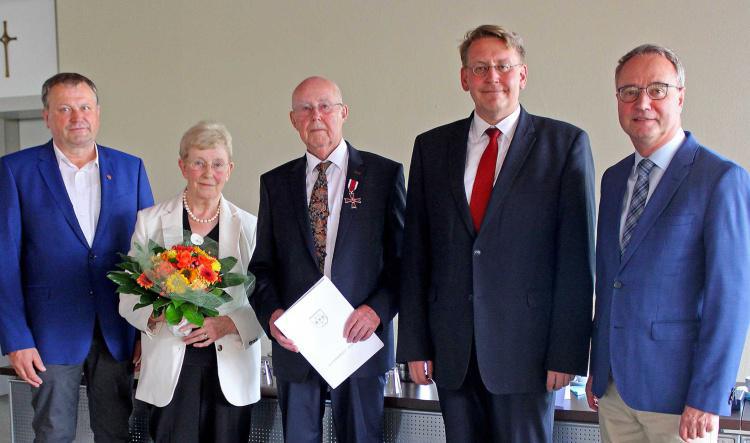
(315,323)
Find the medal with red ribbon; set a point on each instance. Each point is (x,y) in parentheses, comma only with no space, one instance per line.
(352,200)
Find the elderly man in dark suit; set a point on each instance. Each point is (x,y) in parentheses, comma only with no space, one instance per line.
(498,254)
(338,212)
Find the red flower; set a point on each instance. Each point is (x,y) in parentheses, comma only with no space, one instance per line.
(208,274)
(144,281)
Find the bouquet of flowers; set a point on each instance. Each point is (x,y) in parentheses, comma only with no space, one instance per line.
(183,281)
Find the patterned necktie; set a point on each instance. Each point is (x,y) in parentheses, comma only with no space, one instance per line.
(637,202)
(485,179)
(319,213)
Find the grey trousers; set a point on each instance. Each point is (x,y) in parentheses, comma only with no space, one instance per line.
(108,384)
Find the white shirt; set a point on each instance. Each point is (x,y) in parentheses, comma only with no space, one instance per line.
(478,141)
(84,191)
(662,157)
(336,176)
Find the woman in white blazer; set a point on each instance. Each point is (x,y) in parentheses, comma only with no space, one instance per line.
(201,385)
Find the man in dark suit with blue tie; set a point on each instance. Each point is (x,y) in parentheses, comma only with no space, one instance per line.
(498,254)
(66,209)
(672,268)
(338,212)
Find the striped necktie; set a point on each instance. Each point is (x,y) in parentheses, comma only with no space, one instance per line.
(637,202)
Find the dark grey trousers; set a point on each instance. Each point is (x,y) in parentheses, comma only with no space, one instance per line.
(473,413)
(108,384)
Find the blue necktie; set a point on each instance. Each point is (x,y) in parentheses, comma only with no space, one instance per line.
(637,202)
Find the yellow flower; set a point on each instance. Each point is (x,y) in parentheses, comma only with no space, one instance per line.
(176,283)
(168,255)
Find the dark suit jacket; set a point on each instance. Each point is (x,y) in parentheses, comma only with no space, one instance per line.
(53,285)
(366,257)
(671,315)
(520,290)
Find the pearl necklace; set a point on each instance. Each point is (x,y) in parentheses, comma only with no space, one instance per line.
(192,216)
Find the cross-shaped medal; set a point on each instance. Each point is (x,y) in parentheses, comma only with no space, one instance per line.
(354,201)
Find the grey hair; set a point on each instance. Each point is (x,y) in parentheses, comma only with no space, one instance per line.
(658,50)
(206,135)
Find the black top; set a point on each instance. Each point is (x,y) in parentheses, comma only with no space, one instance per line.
(204,357)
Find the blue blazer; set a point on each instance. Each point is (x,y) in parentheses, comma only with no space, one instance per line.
(520,290)
(365,265)
(52,284)
(671,315)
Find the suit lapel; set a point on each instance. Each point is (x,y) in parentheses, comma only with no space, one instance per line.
(611,209)
(676,172)
(355,170)
(107,186)
(50,172)
(229,231)
(456,167)
(523,140)
(171,224)
(298,198)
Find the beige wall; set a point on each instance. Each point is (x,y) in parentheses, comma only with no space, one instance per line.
(162,65)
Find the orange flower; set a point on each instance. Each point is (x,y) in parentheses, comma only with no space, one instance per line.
(190,274)
(205,260)
(144,281)
(184,259)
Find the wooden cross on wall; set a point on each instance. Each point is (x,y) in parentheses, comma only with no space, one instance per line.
(5,39)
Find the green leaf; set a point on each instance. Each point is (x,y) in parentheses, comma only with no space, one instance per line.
(173,314)
(140,305)
(209,312)
(161,301)
(127,289)
(233,279)
(154,247)
(120,277)
(126,258)
(177,302)
(158,312)
(143,291)
(194,317)
(147,299)
(133,267)
(227,263)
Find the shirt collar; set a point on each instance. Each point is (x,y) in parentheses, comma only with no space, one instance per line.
(62,159)
(506,126)
(338,157)
(663,155)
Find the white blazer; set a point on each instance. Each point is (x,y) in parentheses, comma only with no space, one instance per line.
(237,355)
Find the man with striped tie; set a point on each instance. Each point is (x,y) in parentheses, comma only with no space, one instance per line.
(672,268)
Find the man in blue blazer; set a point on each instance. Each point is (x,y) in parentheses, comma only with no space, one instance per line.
(66,209)
(498,254)
(338,212)
(672,268)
